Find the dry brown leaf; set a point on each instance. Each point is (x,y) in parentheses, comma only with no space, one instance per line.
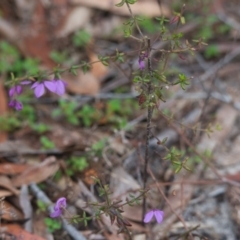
(121,183)
(83,83)
(38,173)
(98,70)
(74,22)
(19,232)
(5,193)
(12,168)
(147,8)
(10,212)
(5,182)
(3,110)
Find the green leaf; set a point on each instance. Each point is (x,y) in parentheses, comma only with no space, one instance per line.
(120,4)
(81,38)
(178,169)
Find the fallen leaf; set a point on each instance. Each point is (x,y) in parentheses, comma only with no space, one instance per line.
(12,168)
(121,183)
(83,83)
(3,110)
(5,193)
(98,70)
(10,212)
(147,8)
(5,182)
(19,232)
(38,173)
(73,22)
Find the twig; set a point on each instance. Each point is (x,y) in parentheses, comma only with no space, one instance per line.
(131,13)
(166,199)
(71,230)
(149,119)
(216,67)
(205,160)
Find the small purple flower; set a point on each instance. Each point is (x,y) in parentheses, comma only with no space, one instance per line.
(155,212)
(56,86)
(59,86)
(15,104)
(17,89)
(141,64)
(39,87)
(25,82)
(60,204)
(141,61)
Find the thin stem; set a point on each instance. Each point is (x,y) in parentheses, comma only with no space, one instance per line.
(149,119)
(131,13)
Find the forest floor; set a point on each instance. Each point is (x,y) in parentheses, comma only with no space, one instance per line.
(55,147)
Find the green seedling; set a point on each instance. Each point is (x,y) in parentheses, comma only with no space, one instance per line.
(81,38)
(76,164)
(52,224)
(46,143)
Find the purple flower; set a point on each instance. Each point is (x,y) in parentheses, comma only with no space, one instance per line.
(56,86)
(17,89)
(59,86)
(15,104)
(60,204)
(39,87)
(141,61)
(141,64)
(25,82)
(155,212)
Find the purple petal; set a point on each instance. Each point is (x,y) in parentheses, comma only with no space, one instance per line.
(39,90)
(35,85)
(60,87)
(18,89)
(61,203)
(12,103)
(141,64)
(16,104)
(11,91)
(148,216)
(56,213)
(51,86)
(25,82)
(158,215)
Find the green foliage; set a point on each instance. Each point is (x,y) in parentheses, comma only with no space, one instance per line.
(66,109)
(148,25)
(125,1)
(85,66)
(211,51)
(40,128)
(81,38)
(99,146)
(211,27)
(9,123)
(176,157)
(182,80)
(42,207)
(87,115)
(52,224)
(46,143)
(119,57)
(59,57)
(11,61)
(27,114)
(104,60)
(76,164)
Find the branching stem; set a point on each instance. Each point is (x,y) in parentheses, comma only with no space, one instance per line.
(148,133)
